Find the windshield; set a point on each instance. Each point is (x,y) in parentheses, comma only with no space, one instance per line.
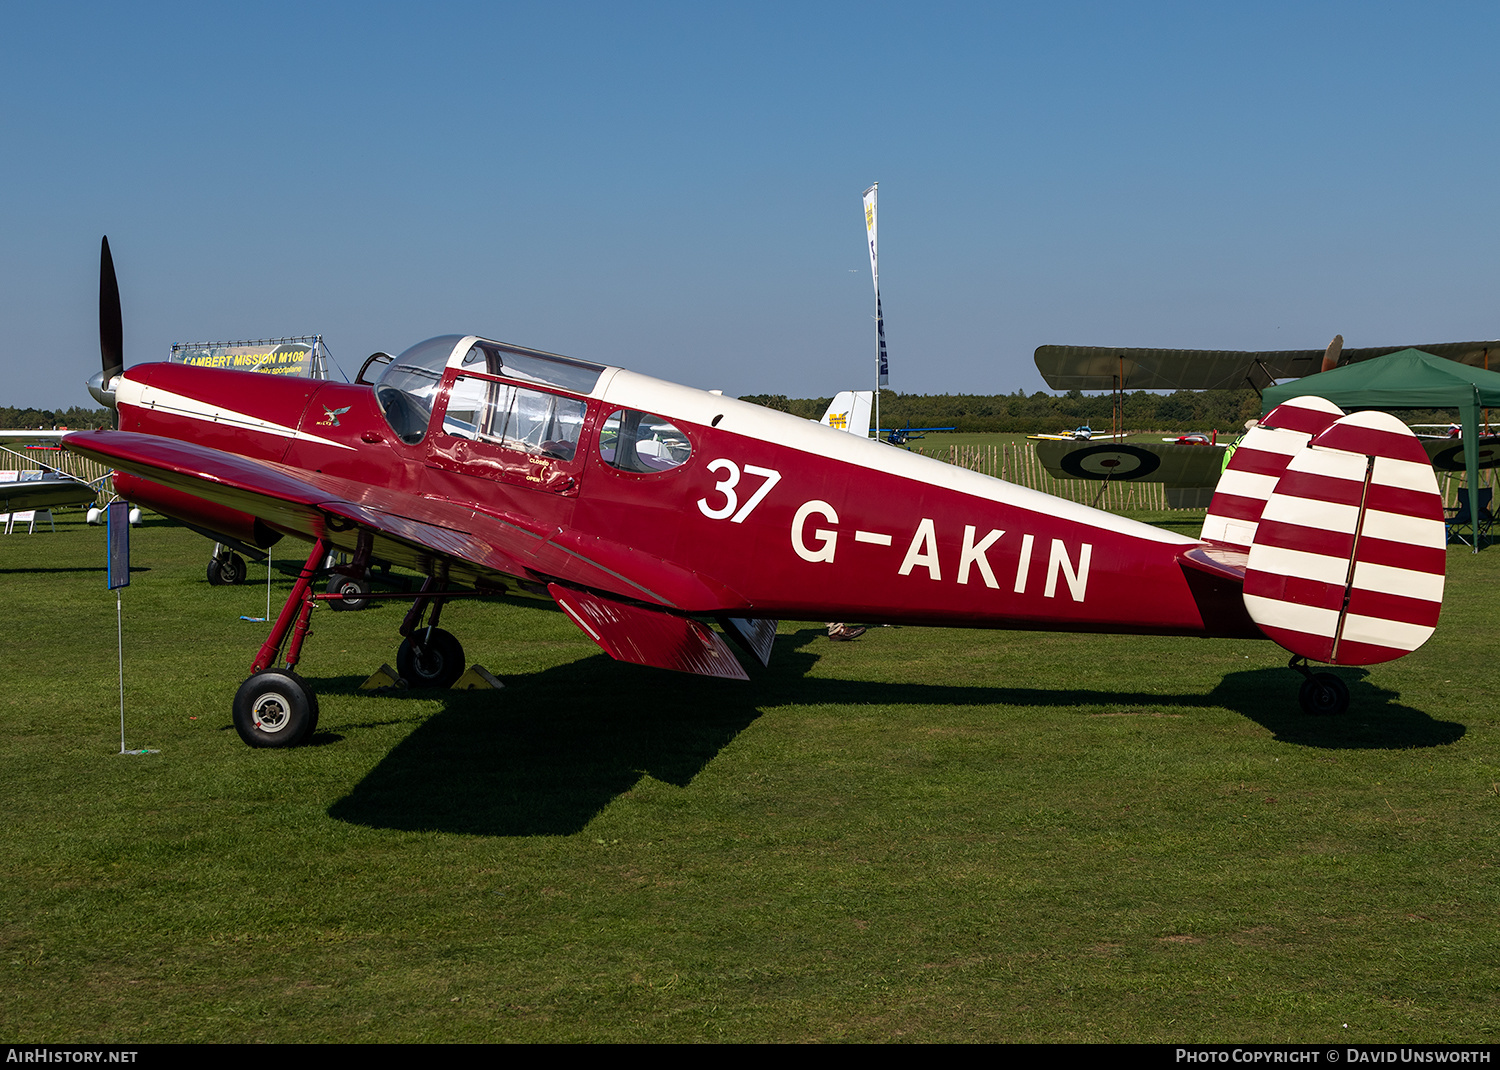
(406,387)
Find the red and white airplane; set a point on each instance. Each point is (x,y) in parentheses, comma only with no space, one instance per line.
(648,510)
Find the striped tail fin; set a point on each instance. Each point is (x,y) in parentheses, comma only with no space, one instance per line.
(1349,552)
(1342,524)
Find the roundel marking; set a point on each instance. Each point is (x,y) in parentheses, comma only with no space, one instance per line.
(1451,459)
(1110,462)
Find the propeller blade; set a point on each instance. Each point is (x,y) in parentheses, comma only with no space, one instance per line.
(111,333)
(111,329)
(1331,354)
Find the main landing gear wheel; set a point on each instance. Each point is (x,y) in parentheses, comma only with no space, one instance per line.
(275,708)
(439,664)
(228,571)
(1324,695)
(356,592)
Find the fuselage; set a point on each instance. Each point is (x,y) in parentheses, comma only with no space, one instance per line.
(733,507)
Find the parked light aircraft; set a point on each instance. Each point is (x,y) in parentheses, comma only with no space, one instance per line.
(43,490)
(1081,433)
(850,411)
(23,491)
(647,510)
(900,436)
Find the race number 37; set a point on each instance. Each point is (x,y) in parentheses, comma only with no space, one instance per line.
(728,488)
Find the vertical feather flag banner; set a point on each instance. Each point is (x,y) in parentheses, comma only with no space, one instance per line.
(882,369)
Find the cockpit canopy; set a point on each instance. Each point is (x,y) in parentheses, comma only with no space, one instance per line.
(409,383)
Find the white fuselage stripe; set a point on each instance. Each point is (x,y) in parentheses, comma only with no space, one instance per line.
(129,392)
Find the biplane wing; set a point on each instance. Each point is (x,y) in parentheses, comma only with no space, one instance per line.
(1111,368)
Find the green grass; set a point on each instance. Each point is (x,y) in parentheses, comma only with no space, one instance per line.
(924,835)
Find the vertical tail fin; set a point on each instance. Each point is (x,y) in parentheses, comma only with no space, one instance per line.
(1344,534)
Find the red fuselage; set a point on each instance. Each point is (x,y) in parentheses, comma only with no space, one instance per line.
(768,516)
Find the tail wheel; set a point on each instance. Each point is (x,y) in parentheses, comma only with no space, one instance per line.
(1324,695)
(355,592)
(275,708)
(430,660)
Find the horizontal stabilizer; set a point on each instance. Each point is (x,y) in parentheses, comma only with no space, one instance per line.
(645,636)
(1348,553)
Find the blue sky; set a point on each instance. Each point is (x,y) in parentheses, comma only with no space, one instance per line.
(676,187)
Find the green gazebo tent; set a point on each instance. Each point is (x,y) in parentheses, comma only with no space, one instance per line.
(1408,379)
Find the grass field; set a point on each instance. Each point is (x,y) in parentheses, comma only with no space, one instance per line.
(924,835)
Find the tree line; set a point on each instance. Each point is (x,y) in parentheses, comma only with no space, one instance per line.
(76,418)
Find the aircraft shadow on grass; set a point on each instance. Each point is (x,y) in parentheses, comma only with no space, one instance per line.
(545,756)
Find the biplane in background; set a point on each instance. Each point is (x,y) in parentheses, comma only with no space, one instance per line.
(1191,474)
(650,511)
(1120,369)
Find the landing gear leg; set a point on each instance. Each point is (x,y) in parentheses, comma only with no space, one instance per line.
(429,656)
(1322,694)
(275,707)
(351,581)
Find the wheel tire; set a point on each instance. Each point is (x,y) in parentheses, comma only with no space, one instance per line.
(275,708)
(440,664)
(1324,695)
(229,571)
(356,592)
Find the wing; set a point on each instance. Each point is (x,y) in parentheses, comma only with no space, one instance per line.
(1099,367)
(44,493)
(475,546)
(1179,465)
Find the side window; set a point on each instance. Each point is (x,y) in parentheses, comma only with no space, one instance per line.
(516,418)
(468,404)
(640,442)
(541,423)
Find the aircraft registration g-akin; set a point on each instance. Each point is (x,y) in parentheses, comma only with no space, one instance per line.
(650,511)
